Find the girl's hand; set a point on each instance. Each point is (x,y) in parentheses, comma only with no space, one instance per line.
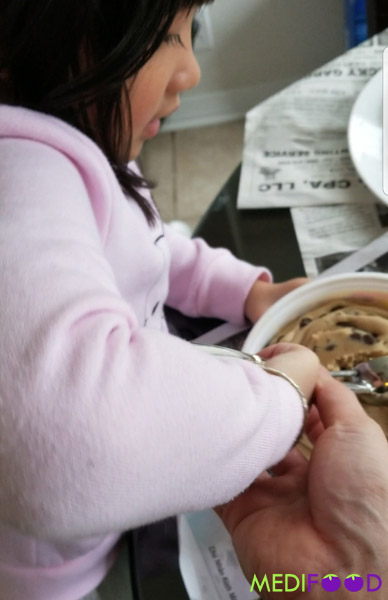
(298,362)
(326,516)
(263,294)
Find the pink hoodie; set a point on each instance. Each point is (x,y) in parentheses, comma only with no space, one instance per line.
(107,421)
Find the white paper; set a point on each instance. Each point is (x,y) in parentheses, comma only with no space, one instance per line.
(295,149)
(207,560)
(373,257)
(327,234)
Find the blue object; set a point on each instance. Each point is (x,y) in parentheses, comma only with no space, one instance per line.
(355,22)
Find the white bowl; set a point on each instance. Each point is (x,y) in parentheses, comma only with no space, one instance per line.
(367,286)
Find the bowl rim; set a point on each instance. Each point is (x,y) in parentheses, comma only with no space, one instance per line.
(304,298)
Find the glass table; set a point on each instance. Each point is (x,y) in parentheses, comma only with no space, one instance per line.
(261,237)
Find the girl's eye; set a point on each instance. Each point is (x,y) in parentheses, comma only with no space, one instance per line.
(173,38)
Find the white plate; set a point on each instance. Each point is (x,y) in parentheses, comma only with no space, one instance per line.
(365,135)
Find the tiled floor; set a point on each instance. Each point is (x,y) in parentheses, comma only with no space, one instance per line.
(190,167)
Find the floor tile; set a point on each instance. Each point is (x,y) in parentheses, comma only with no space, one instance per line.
(205,157)
(190,167)
(157,163)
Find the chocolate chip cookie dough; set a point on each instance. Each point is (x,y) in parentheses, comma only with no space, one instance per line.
(343,333)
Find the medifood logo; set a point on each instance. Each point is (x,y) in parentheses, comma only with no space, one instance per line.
(330,583)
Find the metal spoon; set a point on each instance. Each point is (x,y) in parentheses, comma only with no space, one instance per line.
(368,379)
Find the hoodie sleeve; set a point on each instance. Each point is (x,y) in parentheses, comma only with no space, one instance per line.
(209,282)
(106,425)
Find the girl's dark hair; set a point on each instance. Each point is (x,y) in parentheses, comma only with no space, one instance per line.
(63,56)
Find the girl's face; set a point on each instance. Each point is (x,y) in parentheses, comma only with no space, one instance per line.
(154,92)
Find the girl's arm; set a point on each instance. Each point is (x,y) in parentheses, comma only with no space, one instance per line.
(212,282)
(104,424)
(209,282)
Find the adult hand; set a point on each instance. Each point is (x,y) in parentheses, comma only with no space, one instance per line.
(326,516)
(263,294)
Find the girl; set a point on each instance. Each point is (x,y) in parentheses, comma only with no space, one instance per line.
(108,421)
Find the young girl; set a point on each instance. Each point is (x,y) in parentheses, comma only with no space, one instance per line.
(108,421)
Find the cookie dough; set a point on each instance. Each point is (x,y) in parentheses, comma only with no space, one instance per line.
(341,333)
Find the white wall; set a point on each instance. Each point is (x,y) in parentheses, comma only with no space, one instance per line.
(260,47)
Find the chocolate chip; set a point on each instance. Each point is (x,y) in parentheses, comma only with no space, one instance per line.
(338,307)
(342,324)
(368,339)
(382,389)
(356,336)
(304,322)
(330,347)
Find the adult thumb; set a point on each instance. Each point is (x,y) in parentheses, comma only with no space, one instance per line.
(335,402)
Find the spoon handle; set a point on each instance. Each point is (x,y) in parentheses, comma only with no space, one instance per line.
(349,373)
(359,388)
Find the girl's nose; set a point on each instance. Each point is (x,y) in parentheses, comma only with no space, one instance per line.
(187,75)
